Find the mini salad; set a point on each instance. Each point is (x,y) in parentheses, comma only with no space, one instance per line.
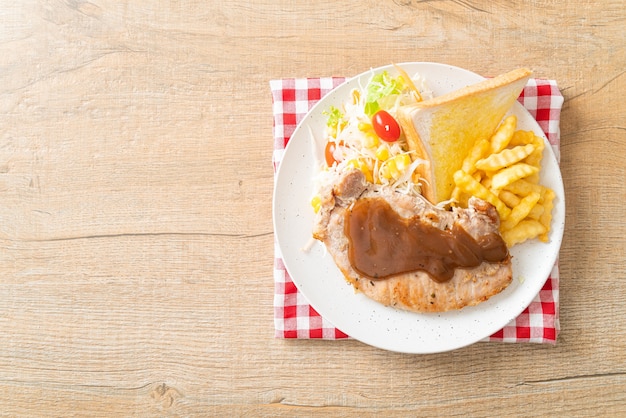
(364,134)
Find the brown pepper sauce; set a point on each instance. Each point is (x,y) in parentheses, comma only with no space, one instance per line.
(383,244)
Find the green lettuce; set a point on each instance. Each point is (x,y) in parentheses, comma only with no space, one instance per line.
(334,117)
(381,92)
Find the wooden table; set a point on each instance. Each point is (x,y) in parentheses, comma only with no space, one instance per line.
(136,240)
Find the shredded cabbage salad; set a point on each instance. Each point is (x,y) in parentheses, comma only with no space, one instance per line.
(351,140)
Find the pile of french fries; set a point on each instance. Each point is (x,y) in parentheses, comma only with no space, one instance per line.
(504,171)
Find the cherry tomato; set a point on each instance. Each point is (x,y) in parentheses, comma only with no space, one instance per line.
(385,126)
(329,152)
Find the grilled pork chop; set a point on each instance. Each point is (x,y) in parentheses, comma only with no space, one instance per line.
(415,290)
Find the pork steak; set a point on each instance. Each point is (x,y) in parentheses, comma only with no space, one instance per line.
(414,291)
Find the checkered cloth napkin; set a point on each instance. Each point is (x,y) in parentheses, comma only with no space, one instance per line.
(295,318)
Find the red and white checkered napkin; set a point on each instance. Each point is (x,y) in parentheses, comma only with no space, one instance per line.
(295,318)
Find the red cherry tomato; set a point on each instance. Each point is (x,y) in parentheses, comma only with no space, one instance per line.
(329,152)
(385,126)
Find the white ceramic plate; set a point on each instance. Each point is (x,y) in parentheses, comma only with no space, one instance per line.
(321,282)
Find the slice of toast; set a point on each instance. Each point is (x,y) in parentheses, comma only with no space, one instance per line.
(442,130)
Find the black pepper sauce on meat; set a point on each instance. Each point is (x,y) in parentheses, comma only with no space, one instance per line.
(383,244)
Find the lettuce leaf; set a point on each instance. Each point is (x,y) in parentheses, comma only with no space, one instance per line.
(334,117)
(379,90)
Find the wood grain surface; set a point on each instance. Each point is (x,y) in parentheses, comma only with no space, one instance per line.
(136,240)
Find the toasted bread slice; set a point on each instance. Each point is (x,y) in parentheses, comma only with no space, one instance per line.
(442,130)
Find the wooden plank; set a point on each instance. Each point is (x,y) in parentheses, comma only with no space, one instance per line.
(136,239)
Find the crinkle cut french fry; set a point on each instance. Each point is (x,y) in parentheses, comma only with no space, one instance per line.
(486,182)
(469,185)
(537,141)
(535,157)
(460,197)
(522,138)
(533,178)
(522,187)
(505,158)
(456,193)
(510,174)
(524,230)
(504,133)
(536,212)
(520,211)
(479,150)
(546,216)
(510,199)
